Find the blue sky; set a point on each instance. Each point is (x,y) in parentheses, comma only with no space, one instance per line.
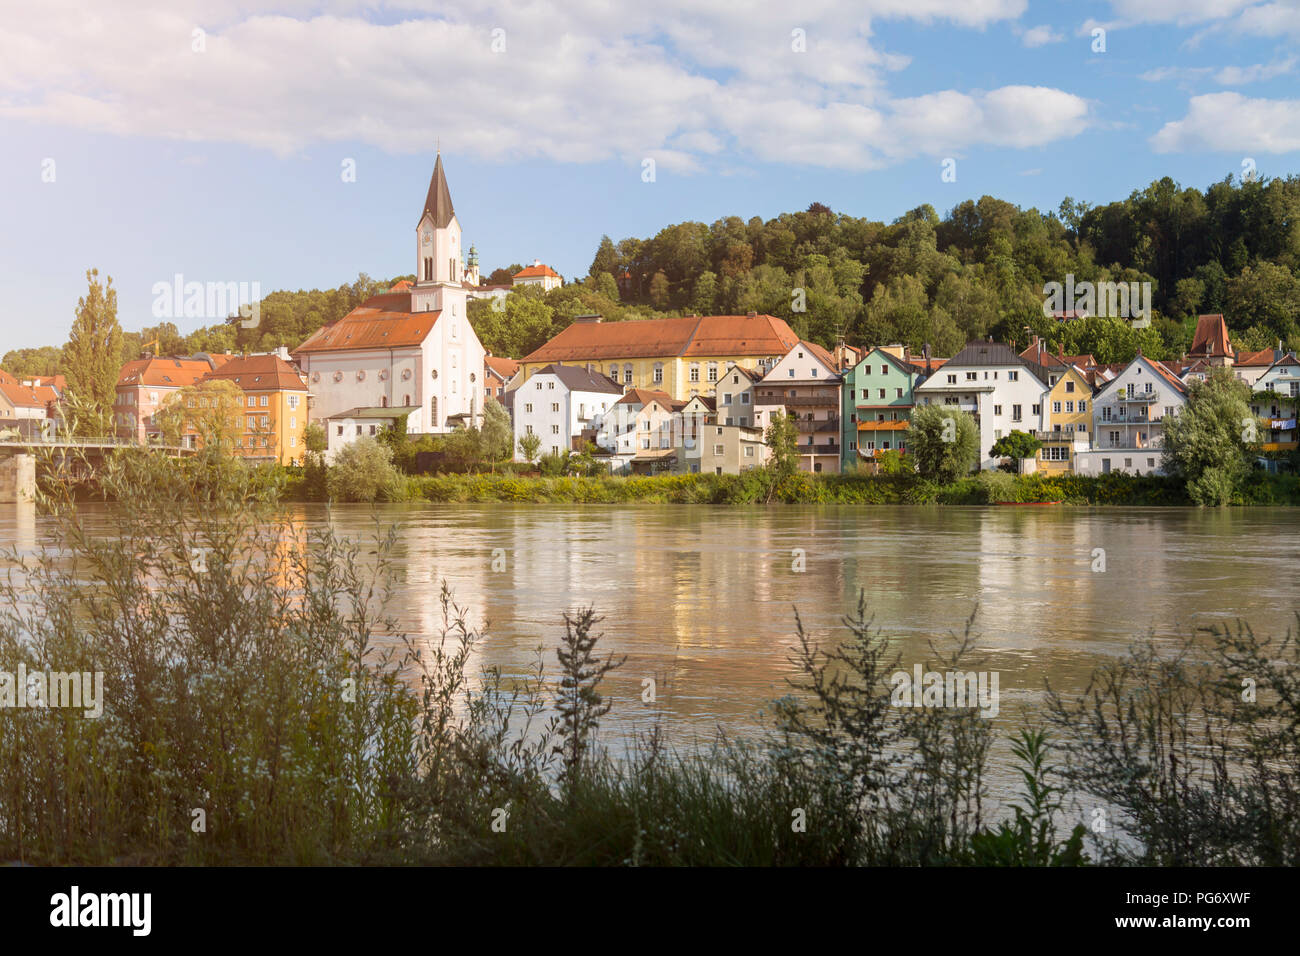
(218,155)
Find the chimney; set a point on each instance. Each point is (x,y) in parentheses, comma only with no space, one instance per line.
(751,315)
(1060,350)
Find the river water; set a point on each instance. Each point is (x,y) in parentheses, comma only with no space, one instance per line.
(702,599)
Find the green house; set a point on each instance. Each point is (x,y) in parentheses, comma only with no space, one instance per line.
(878,401)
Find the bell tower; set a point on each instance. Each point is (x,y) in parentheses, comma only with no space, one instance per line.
(437,243)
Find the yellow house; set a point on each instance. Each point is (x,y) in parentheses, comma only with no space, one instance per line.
(683,357)
(272,422)
(1068,416)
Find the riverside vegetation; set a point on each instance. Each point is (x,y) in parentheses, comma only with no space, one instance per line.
(260,706)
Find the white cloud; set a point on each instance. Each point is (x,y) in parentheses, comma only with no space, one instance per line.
(679,80)
(1040,36)
(1230,122)
(1241,75)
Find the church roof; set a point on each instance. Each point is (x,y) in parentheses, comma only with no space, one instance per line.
(383,321)
(438,203)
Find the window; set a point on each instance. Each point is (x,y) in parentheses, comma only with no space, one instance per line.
(898,393)
(555,406)
(1083,405)
(713,372)
(749,451)
(1128,462)
(539,381)
(293,402)
(358,429)
(1056,408)
(263,401)
(1151,462)
(814,373)
(744,398)
(1035,409)
(659,374)
(695,373)
(952,379)
(252,422)
(340,431)
(1013,376)
(791,373)
(528,429)
(997,410)
(645,444)
(866,370)
(293,423)
(252,401)
(550,386)
(881,391)
(627,375)
(555,429)
(1069,407)
(973,376)
(528,408)
(717,450)
(1069,387)
(1015,413)
(293,441)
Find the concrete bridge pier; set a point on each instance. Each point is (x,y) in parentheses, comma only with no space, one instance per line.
(17,477)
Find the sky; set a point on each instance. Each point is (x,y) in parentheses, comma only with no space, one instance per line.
(290,143)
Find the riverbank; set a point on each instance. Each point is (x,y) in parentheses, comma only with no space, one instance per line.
(756,487)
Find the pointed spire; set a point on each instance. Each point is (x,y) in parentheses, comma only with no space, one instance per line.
(438,203)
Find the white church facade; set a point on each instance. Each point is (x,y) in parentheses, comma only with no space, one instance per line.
(409,350)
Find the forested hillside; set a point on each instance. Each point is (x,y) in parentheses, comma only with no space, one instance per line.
(978,271)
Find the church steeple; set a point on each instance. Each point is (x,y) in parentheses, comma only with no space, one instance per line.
(437,204)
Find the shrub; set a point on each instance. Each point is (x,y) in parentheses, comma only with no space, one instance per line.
(362,471)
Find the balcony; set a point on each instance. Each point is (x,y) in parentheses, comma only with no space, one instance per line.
(894,426)
(827,401)
(1139,398)
(818,427)
(819,449)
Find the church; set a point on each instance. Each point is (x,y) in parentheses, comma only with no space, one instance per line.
(406,353)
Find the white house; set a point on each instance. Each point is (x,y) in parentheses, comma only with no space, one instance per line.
(410,347)
(1003,392)
(539,274)
(1127,416)
(558,402)
(805,381)
(639,430)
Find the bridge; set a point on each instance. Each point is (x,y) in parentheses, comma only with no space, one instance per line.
(18,458)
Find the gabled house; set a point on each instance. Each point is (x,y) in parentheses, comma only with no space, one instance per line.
(1067,428)
(559,403)
(1127,419)
(1275,400)
(1001,390)
(1210,341)
(639,431)
(735,399)
(698,413)
(805,381)
(878,397)
(538,274)
(497,374)
(143,385)
(272,424)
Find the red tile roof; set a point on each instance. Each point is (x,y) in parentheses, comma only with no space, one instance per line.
(163,372)
(25,396)
(1264,357)
(6,378)
(381,322)
(710,335)
(535,272)
(1211,337)
(644,396)
(503,368)
(254,373)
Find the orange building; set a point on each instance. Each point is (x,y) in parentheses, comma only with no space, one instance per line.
(272,423)
(144,384)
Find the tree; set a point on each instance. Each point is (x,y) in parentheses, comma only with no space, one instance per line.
(91,359)
(497,436)
(943,441)
(606,260)
(1209,443)
(1017,446)
(529,445)
(659,290)
(782,439)
(210,411)
(41,362)
(362,471)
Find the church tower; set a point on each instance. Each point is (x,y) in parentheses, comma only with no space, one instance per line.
(438,272)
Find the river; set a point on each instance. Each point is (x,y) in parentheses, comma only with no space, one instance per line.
(702,599)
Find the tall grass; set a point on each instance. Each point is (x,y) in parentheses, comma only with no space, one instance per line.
(261,706)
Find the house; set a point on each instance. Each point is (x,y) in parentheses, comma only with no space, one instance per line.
(409,347)
(1038,354)
(1250,367)
(345,427)
(736,399)
(1067,427)
(538,274)
(1127,419)
(1275,400)
(559,403)
(144,384)
(497,373)
(1001,390)
(639,431)
(698,413)
(30,410)
(682,356)
(731,449)
(878,398)
(273,421)
(806,382)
